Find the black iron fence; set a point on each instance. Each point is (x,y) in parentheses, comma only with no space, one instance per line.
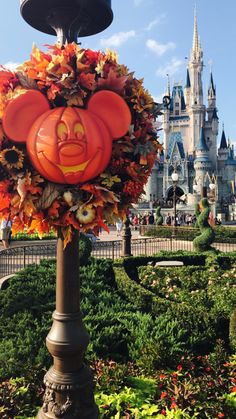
(18,257)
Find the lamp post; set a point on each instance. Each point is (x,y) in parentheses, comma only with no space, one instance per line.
(212,187)
(69,383)
(175,178)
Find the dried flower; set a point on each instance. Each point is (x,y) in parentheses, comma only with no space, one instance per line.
(12,158)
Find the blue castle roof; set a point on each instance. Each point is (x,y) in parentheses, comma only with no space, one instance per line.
(223,142)
(230,160)
(175,138)
(178,89)
(211,86)
(214,114)
(188,84)
(201,146)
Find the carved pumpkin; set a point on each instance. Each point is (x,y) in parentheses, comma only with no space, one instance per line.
(67,145)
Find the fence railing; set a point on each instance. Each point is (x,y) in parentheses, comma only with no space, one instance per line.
(18,257)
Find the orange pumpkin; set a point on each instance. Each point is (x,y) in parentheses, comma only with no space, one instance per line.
(67,145)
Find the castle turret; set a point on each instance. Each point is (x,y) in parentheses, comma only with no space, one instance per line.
(223,151)
(215,122)
(211,93)
(202,163)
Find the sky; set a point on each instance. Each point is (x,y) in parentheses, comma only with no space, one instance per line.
(152,38)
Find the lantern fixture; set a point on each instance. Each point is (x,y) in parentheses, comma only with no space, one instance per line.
(175,177)
(67,19)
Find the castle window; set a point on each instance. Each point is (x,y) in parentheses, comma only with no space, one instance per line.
(176,112)
(177,104)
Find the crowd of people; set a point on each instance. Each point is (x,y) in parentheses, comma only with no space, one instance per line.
(149,218)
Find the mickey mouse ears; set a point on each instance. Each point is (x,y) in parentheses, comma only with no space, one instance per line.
(113,110)
(21,113)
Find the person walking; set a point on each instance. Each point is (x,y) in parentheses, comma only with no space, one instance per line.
(5,232)
(119,225)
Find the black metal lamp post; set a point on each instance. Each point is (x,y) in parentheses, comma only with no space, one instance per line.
(126,238)
(69,384)
(175,178)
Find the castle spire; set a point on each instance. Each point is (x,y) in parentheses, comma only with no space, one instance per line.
(196,41)
(188,84)
(212,88)
(223,142)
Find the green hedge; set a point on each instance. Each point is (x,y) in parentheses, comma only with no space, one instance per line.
(143,299)
(222,234)
(26,237)
(127,278)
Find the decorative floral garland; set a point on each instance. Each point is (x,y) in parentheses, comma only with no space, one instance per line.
(68,76)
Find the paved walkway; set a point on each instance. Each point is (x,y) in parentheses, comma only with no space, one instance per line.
(104,236)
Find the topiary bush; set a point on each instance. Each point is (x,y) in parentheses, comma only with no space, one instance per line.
(196,213)
(159,217)
(203,242)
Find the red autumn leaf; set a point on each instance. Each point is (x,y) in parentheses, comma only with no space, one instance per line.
(53,210)
(70,219)
(4,185)
(113,82)
(7,78)
(87,80)
(5,200)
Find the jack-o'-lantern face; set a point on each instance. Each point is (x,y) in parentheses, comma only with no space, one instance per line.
(67,145)
(64,150)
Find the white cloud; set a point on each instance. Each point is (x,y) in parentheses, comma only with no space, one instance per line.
(11,66)
(118,39)
(158,48)
(155,22)
(170,68)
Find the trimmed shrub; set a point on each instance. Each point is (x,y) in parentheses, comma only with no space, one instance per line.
(203,242)
(159,217)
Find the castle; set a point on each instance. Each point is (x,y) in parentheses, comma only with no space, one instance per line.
(190,131)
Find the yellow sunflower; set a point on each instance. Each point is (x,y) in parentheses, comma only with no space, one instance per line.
(12,158)
(85,214)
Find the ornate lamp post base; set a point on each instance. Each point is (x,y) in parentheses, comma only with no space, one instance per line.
(68,396)
(69,383)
